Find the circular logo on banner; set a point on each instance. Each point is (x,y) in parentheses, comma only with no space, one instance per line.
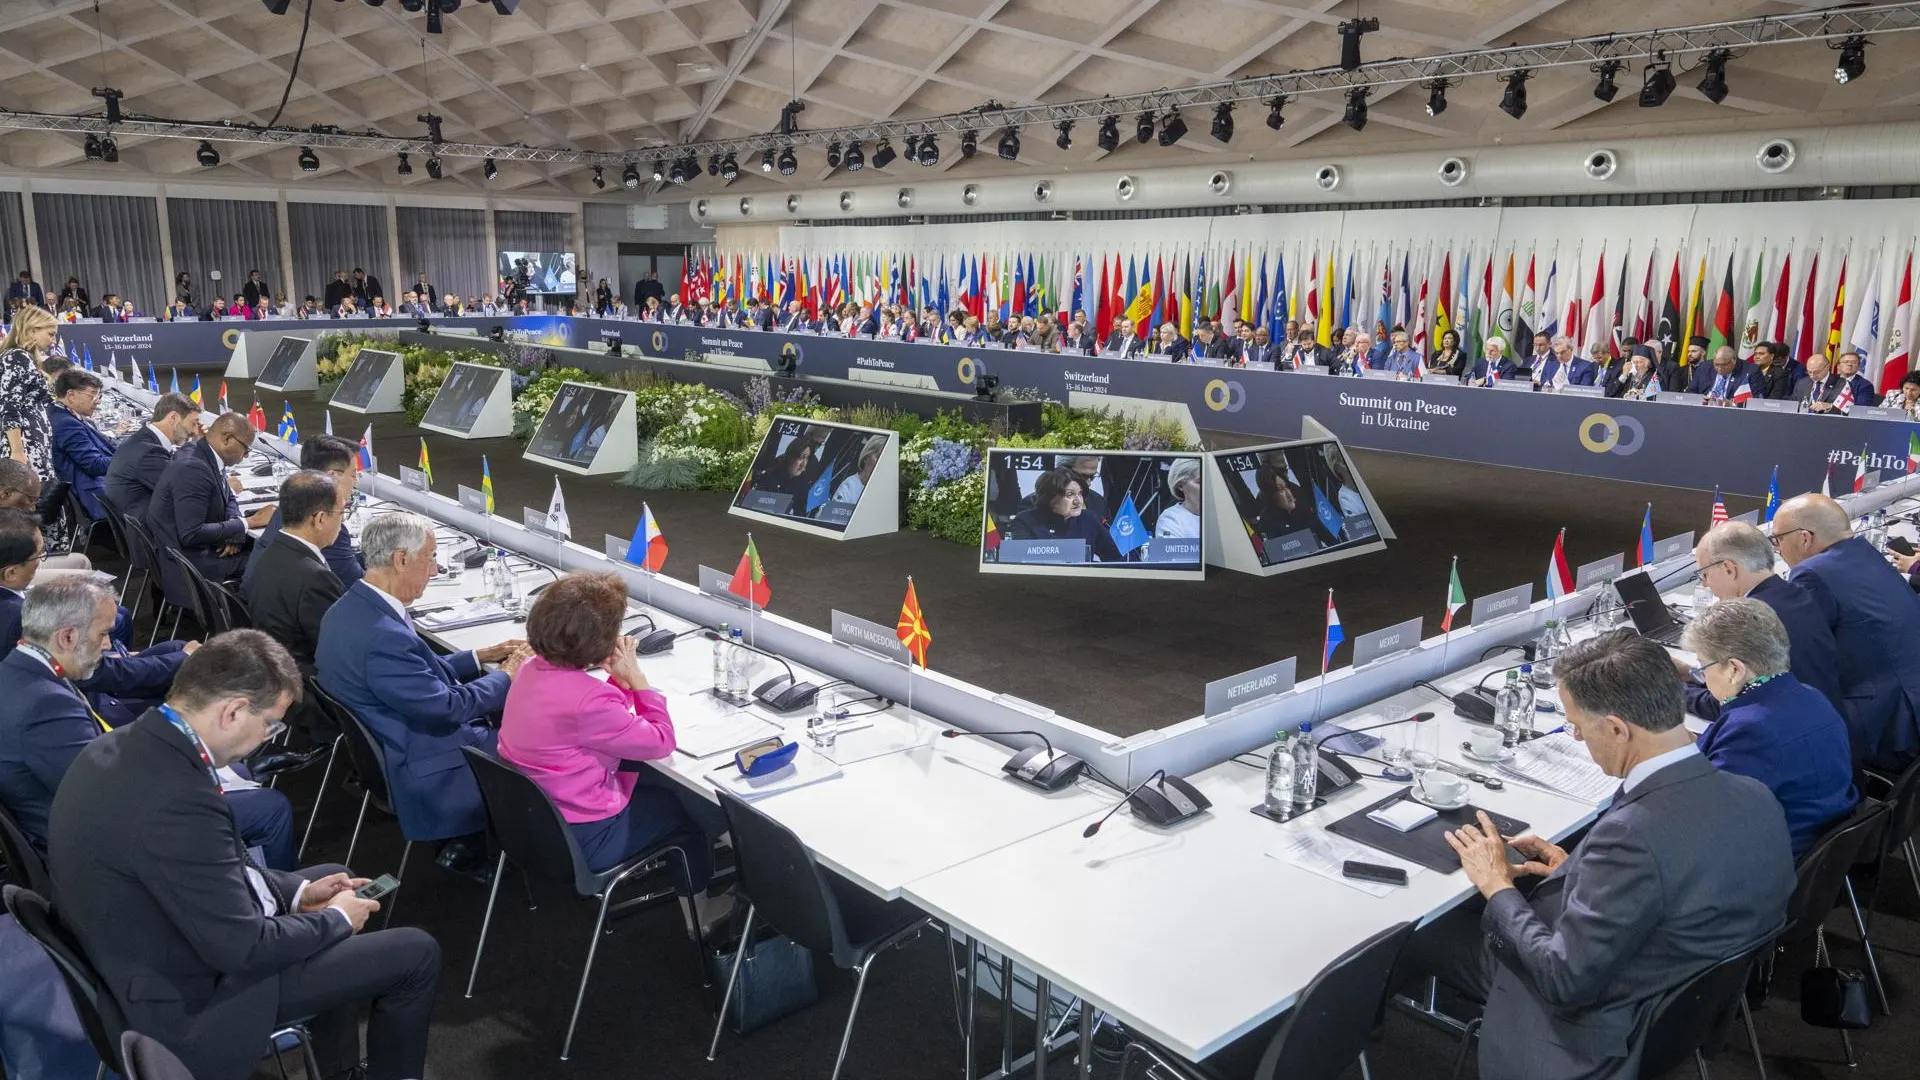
(659,341)
(229,338)
(1605,434)
(792,353)
(967,370)
(1225,395)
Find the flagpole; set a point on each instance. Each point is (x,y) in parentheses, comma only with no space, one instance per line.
(1326,635)
(1446,639)
(910,659)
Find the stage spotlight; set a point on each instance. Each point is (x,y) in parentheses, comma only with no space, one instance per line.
(969,142)
(433,127)
(1173,128)
(489,169)
(1605,89)
(91,147)
(929,151)
(1223,122)
(833,155)
(1009,148)
(631,177)
(713,165)
(787,163)
(884,154)
(207,155)
(855,158)
(434,168)
(1109,134)
(1713,85)
(1436,97)
(913,148)
(1143,127)
(1853,60)
(1514,101)
(110,153)
(1656,85)
(309,161)
(1064,140)
(406,167)
(599,179)
(729,168)
(1350,33)
(1275,112)
(766,160)
(1356,116)
(677,172)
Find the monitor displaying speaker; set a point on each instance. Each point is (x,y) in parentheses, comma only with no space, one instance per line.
(1281,506)
(1094,512)
(586,429)
(826,478)
(540,273)
(290,367)
(475,401)
(375,383)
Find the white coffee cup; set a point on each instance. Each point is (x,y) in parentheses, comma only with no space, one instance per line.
(1484,740)
(1443,788)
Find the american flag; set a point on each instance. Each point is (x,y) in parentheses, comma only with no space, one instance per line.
(1719,509)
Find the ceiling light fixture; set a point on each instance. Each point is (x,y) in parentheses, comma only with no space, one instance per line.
(1656,84)
(599,178)
(884,154)
(1350,34)
(631,177)
(1513,102)
(787,163)
(929,151)
(1853,59)
(729,168)
(110,152)
(855,158)
(406,167)
(1275,115)
(91,147)
(1064,140)
(1437,97)
(434,168)
(833,155)
(309,161)
(969,143)
(766,160)
(1173,128)
(1109,139)
(1605,89)
(913,147)
(1713,85)
(1143,127)
(489,169)
(1223,122)
(1356,114)
(207,155)
(1009,148)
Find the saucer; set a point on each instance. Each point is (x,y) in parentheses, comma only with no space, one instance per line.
(1505,754)
(1436,804)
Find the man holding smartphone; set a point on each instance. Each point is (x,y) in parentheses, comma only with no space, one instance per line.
(199,947)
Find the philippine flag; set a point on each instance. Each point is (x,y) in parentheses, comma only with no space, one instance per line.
(1335,635)
(366,449)
(649,545)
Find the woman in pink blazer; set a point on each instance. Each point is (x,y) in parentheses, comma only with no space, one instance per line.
(572,733)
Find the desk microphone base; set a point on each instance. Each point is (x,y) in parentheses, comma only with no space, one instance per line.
(1277,816)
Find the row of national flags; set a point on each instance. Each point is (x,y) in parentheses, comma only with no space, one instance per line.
(1804,295)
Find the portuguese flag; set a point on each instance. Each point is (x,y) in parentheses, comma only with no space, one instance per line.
(750,578)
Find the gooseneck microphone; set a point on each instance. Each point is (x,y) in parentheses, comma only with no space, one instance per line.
(1090,830)
(660,641)
(782,693)
(1041,766)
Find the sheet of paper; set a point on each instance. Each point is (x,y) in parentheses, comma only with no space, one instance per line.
(1320,852)
(233,781)
(703,726)
(807,768)
(1557,763)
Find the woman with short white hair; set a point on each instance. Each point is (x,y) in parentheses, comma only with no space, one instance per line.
(1182,519)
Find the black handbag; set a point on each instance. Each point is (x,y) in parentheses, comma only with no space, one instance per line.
(1832,997)
(775,980)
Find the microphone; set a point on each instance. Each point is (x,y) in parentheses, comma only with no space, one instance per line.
(1040,766)
(1173,801)
(782,693)
(660,641)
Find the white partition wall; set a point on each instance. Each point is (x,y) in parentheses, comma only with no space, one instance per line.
(290,368)
(475,401)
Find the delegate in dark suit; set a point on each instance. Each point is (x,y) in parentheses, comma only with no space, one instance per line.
(81,457)
(1875,620)
(1785,735)
(125,684)
(194,510)
(288,592)
(423,708)
(1813,657)
(134,472)
(341,558)
(150,873)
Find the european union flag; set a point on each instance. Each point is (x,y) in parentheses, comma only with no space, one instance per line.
(1328,514)
(1127,530)
(817,494)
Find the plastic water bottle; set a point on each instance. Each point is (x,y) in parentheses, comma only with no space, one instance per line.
(1280,776)
(721,645)
(1529,697)
(1606,610)
(505,591)
(1306,768)
(1546,647)
(1506,708)
(1703,597)
(737,665)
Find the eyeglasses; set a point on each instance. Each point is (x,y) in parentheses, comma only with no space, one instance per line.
(1700,574)
(1699,671)
(1776,538)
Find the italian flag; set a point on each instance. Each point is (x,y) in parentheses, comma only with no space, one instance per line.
(1860,470)
(750,578)
(1456,598)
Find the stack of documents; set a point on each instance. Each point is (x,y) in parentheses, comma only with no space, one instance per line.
(476,613)
(1557,763)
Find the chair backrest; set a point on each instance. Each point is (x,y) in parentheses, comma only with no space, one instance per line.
(142,1058)
(79,520)
(208,608)
(369,761)
(1692,1014)
(99,1013)
(1327,1027)
(234,613)
(117,528)
(1822,868)
(1903,807)
(778,874)
(25,867)
(527,825)
(141,553)
(177,576)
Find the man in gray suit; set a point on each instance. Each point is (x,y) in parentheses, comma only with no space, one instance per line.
(1687,867)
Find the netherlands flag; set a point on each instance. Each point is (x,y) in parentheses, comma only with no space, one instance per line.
(366,449)
(1559,574)
(1335,635)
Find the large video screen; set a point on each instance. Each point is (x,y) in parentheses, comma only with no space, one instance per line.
(540,272)
(576,423)
(1083,511)
(286,354)
(370,366)
(1297,499)
(462,397)
(811,471)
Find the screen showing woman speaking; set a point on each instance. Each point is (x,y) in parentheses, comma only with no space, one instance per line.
(1297,499)
(812,472)
(1093,510)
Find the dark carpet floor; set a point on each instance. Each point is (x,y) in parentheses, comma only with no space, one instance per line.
(1076,645)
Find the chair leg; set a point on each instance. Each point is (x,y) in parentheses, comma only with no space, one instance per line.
(313,815)
(746,936)
(159,616)
(846,1034)
(1866,945)
(101,1072)
(692,917)
(593,946)
(1753,1038)
(1700,1062)
(306,1052)
(357,822)
(175,632)
(391,904)
(1847,1044)
(1913,863)
(1367,1073)
(1466,1045)
(486,922)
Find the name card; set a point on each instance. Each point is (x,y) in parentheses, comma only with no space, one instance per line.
(473,499)
(1751,517)
(1049,552)
(1359,527)
(1599,570)
(1501,604)
(413,478)
(1880,412)
(1772,405)
(1581,391)
(837,513)
(767,502)
(870,636)
(1234,691)
(1397,638)
(1164,549)
(714,584)
(1872,480)
(536,521)
(1289,546)
(616,546)
(1673,546)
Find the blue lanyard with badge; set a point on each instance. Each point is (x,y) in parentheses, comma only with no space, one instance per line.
(173,717)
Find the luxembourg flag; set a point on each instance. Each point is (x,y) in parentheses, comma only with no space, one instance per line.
(1335,635)
(366,449)
(1559,574)
(1646,539)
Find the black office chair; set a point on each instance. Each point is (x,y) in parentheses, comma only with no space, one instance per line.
(79,523)
(1326,1030)
(209,610)
(816,908)
(1902,796)
(370,762)
(142,1058)
(333,756)
(116,523)
(1821,879)
(175,587)
(237,615)
(532,833)
(1690,1018)
(147,558)
(25,867)
(99,1013)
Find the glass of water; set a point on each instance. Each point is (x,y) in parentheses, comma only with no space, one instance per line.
(830,708)
(1423,753)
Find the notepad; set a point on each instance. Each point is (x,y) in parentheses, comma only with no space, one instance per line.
(477,613)
(1404,816)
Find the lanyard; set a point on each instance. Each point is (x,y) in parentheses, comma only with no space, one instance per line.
(173,717)
(60,673)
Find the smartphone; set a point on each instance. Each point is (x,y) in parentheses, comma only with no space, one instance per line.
(379,887)
(1365,871)
(1900,544)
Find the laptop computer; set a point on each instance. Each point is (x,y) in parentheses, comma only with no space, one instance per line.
(1650,614)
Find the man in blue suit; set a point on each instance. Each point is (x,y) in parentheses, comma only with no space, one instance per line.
(143,455)
(422,707)
(81,454)
(1771,726)
(1720,380)
(194,510)
(328,454)
(47,723)
(1875,619)
(1735,559)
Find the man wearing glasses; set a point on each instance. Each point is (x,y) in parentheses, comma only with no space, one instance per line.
(1874,617)
(1735,559)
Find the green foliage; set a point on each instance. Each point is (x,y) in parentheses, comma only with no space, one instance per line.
(950,511)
